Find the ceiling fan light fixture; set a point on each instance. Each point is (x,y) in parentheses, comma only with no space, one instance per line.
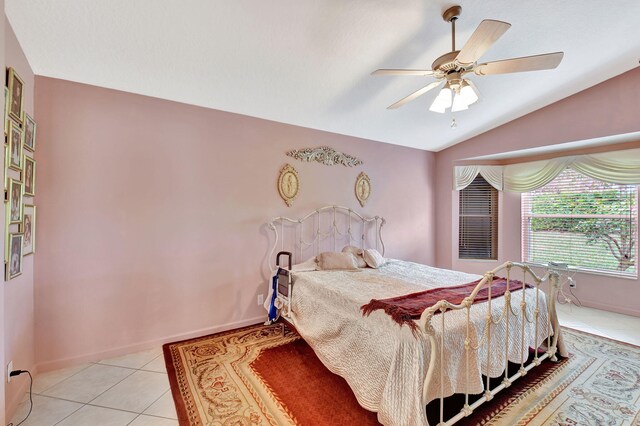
(459,103)
(443,100)
(468,93)
(437,108)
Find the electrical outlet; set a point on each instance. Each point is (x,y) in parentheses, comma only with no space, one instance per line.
(9,370)
(260,299)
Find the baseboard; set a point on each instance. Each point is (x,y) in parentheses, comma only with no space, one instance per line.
(12,404)
(149,344)
(611,308)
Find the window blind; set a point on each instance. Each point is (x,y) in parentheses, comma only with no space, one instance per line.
(478,216)
(587,223)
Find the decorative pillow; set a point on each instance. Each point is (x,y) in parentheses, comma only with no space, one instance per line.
(373,258)
(331,260)
(357,252)
(306,266)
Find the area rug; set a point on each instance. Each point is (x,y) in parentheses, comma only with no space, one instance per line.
(267,375)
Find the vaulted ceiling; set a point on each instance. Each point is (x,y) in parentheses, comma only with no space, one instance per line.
(308,62)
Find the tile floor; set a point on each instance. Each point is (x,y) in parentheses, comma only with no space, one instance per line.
(624,328)
(128,390)
(134,389)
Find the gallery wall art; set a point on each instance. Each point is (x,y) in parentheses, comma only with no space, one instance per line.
(19,171)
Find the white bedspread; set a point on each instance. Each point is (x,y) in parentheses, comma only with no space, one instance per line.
(384,363)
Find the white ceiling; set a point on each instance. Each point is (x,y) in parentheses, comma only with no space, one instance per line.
(307,62)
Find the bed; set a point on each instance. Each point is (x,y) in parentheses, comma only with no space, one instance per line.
(394,370)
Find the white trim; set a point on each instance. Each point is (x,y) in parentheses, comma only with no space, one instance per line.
(149,344)
(579,270)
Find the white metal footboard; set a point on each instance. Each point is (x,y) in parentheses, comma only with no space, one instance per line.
(432,323)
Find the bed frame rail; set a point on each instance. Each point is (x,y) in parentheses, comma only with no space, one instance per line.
(434,327)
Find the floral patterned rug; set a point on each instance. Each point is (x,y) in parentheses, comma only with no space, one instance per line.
(598,385)
(260,375)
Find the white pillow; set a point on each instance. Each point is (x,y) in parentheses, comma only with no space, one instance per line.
(306,266)
(330,260)
(373,258)
(357,252)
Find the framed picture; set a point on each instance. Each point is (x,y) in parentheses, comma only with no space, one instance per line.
(6,171)
(6,110)
(363,188)
(14,266)
(28,229)
(16,88)
(15,146)
(288,184)
(29,133)
(29,176)
(15,201)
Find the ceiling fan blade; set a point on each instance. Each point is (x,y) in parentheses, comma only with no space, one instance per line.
(487,33)
(415,94)
(528,63)
(401,72)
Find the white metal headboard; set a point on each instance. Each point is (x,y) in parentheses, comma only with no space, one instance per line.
(328,228)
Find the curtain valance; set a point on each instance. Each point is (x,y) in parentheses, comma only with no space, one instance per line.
(620,167)
(466,174)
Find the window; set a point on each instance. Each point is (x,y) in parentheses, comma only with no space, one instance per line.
(584,222)
(478,233)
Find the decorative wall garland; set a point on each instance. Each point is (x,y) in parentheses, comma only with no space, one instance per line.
(324,155)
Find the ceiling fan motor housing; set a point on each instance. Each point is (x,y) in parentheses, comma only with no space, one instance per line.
(446,63)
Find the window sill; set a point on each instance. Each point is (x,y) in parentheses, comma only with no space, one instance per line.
(574,269)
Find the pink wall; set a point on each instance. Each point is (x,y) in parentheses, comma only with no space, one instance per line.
(151,215)
(2,320)
(18,293)
(609,108)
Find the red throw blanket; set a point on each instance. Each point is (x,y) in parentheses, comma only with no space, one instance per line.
(405,309)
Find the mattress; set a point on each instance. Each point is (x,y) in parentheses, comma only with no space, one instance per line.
(384,363)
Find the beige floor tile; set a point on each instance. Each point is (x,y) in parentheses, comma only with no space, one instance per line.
(88,383)
(617,322)
(98,416)
(46,411)
(143,420)
(163,407)
(157,365)
(572,323)
(589,329)
(135,393)
(44,381)
(135,360)
(564,316)
(564,307)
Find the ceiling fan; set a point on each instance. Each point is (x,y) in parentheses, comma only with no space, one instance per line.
(459,92)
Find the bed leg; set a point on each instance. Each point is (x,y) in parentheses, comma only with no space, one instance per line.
(562,348)
(558,345)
